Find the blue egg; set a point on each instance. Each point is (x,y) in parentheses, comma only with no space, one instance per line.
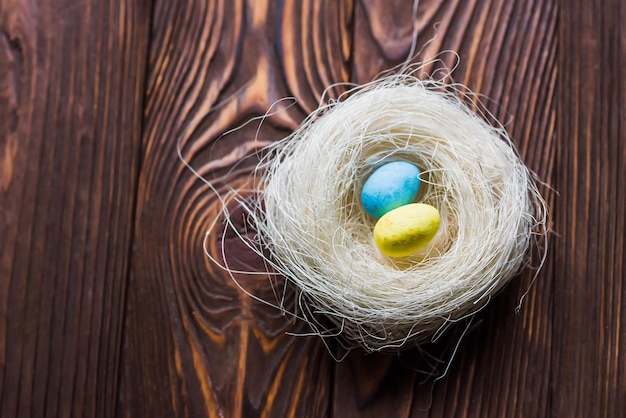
(390,186)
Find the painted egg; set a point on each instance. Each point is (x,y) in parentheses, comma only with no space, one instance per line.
(404,230)
(390,186)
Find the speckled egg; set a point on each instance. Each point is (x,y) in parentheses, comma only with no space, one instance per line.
(404,230)
(389,187)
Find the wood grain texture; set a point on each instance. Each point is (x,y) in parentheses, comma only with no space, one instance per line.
(218,352)
(590,279)
(211,341)
(71,89)
(507,52)
(108,304)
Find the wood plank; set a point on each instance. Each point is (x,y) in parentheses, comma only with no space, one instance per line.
(71,90)
(196,344)
(589,371)
(507,52)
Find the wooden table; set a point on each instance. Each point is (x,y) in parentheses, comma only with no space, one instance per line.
(108,305)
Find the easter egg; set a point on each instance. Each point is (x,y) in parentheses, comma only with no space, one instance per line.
(390,186)
(404,230)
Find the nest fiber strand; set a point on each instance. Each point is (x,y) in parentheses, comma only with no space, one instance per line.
(319,237)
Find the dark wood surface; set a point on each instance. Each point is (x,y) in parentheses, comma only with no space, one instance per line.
(108,305)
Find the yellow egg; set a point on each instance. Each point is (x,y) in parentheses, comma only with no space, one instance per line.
(404,230)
